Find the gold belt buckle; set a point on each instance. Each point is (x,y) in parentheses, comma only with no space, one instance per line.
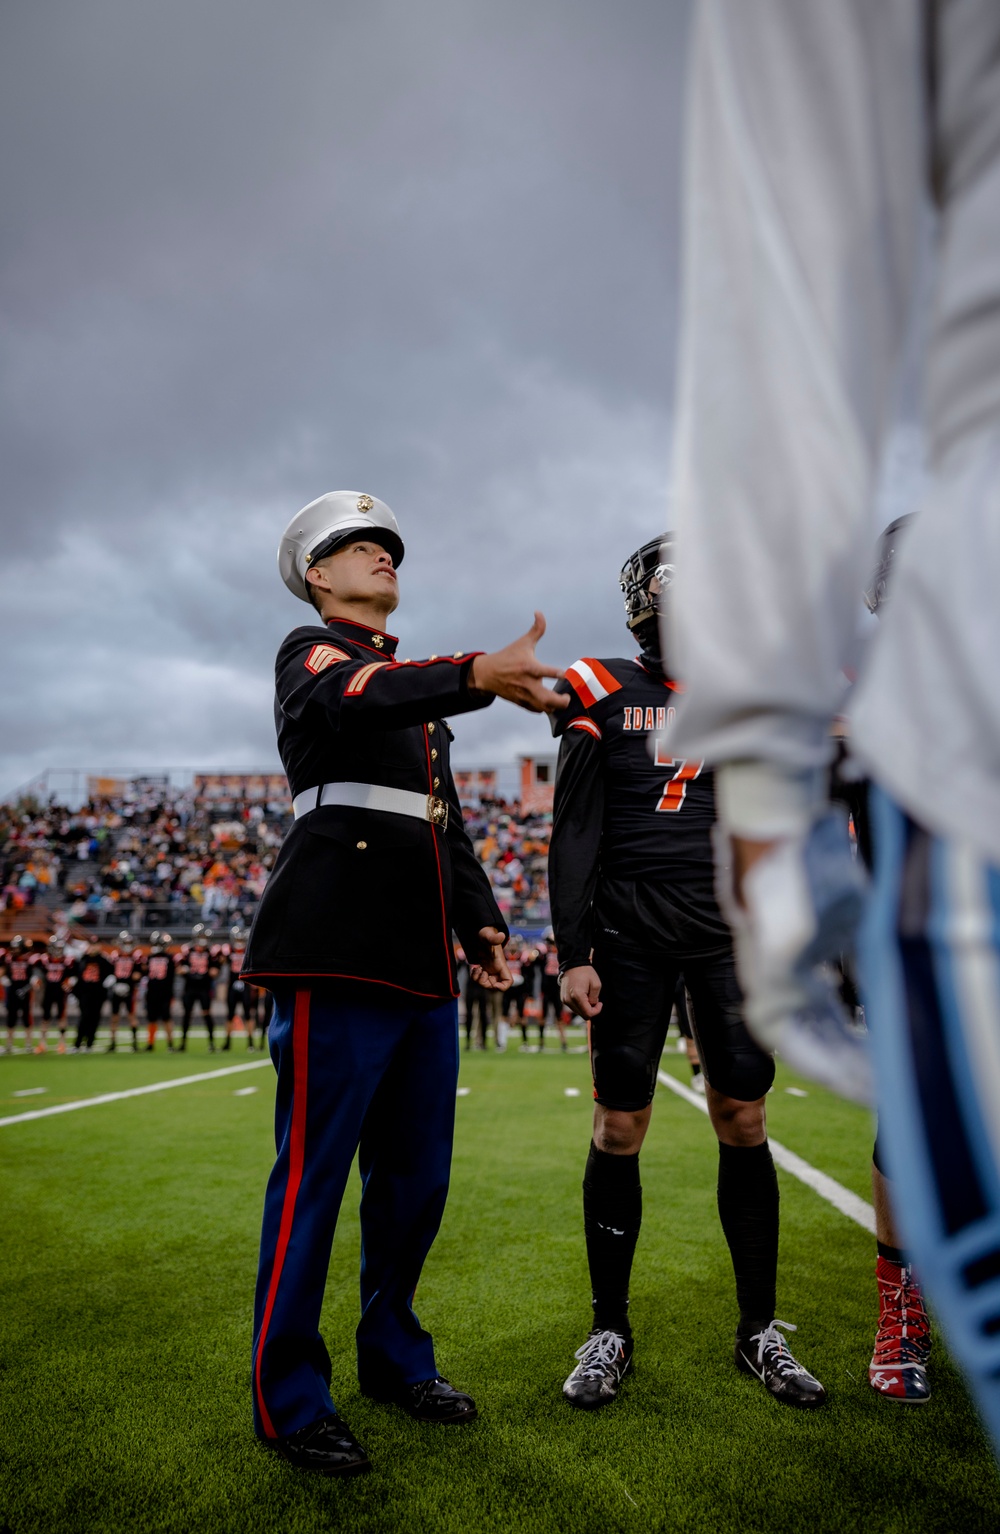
(437,812)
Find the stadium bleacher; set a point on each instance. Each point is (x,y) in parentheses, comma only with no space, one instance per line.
(145,855)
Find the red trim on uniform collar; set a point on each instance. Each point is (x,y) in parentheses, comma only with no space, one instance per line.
(673,686)
(389,641)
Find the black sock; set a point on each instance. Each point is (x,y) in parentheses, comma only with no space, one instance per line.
(612,1215)
(748,1209)
(892,1253)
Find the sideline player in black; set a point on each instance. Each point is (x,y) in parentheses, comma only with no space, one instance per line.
(55,969)
(91,974)
(126,960)
(241,996)
(353,936)
(159,969)
(197,965)
(18,979)
(632,889)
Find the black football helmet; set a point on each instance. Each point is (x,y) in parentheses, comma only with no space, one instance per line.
(888,544)
(645,579)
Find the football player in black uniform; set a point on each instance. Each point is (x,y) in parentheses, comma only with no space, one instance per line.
(55,970)
(125,972)
(241,996)
(92,972)
(551,997)
(18,979)
(159,969)
(198,966)
(633,905)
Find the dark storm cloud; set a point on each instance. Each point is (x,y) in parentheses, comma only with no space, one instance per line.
(255,252)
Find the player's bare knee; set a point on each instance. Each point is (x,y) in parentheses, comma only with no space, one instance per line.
(620,1132)
(736,1122)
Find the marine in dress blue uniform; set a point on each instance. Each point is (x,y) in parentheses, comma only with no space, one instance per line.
(353,937)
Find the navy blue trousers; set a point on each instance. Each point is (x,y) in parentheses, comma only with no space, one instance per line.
(356,1070)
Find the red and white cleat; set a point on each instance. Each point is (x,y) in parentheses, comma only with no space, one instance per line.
(898,1368)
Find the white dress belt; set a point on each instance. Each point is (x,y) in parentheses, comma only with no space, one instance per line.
(372,796)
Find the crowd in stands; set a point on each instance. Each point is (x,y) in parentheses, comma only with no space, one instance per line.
(156,860)
(514,849)
(135,865)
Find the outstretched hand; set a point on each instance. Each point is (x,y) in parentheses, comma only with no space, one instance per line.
(492,974)
(515,673)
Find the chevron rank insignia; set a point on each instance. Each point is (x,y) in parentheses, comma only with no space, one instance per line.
(323,655)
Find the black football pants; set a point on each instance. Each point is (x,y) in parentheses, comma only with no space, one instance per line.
(627,1036)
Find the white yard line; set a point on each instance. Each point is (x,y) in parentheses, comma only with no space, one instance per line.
(117,1097)
(840,1197)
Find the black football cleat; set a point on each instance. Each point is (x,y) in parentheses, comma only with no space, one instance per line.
(766,1355)
(605,1358)
(327,1447)
(433,1401)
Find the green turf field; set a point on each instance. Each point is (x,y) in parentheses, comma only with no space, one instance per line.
(129,1237)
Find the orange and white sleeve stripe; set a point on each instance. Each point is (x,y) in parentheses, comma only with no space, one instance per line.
(591,681)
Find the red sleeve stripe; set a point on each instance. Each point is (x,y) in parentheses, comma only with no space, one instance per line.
(591,681)
(359,681)
(585,724)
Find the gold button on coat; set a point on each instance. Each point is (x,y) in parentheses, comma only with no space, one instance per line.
(434,754)
(362,846)
(437,782)
(430,729)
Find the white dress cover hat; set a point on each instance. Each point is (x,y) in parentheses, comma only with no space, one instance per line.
(328,522)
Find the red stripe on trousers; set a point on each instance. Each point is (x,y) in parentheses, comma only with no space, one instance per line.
(296,1158)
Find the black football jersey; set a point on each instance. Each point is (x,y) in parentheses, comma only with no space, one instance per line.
(124,966)
(160,970)
(18,969)
(197,965)
(631,856)
(91,972)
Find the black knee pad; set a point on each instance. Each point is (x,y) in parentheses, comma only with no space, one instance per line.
(745,1074)
(624,1077)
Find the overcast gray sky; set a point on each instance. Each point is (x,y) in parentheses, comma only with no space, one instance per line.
(253,252)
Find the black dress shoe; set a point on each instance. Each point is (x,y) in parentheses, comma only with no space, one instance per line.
(327,1447)
(435,1401)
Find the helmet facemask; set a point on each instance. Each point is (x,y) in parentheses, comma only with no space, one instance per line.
(645,580)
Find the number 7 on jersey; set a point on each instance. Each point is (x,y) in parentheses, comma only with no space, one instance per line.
(675,788)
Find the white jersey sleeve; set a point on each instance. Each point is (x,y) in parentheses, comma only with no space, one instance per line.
(806,193)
